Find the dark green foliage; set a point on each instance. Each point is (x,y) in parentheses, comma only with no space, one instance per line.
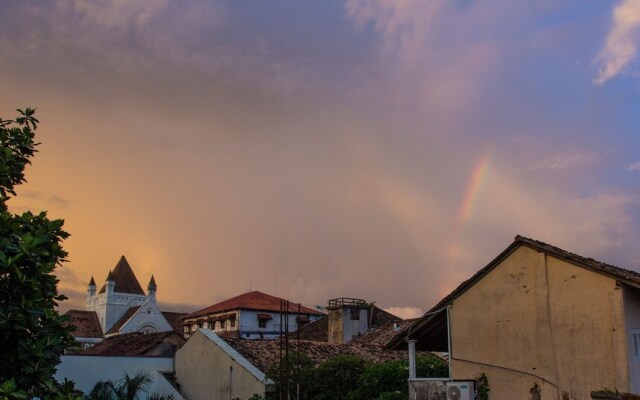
(31,330)
(302,375)
(335,378)
(483,387)
(351,378)
(127,388)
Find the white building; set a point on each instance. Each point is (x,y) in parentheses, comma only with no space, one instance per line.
(121,306)
(252,315)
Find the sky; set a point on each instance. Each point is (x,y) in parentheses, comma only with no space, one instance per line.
(383,150)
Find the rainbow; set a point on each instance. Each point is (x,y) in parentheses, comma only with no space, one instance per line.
(478,176)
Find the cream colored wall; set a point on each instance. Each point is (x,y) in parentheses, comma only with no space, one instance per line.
(538,319)
(203,370)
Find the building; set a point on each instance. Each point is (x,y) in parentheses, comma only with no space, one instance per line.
(540,323)
(210,367)
(350,319)
(130,353)
(252,315)
(120,306)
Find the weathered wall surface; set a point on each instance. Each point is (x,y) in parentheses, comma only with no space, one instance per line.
(206,372)
(535,319)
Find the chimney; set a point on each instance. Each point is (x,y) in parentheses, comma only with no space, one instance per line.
(347,319)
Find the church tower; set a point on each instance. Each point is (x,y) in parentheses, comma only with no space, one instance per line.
(121,291)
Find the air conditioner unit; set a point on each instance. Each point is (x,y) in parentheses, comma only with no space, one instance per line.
(460,391)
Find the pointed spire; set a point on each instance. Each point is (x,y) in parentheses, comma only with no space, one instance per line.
(110,277)
(92,282)
(152,283)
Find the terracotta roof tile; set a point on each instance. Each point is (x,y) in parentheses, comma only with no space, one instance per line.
(317,331)
(124,278)
(264,353)
(135,344)
(382,335)
(86,324)
(253,301)
(174,319)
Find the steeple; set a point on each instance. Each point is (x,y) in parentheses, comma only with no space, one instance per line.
(152,288)
(109,284)
(91,288)
(124,278)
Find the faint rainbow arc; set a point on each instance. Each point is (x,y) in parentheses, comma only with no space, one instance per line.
(478,176)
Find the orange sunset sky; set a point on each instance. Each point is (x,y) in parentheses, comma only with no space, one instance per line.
(383,150)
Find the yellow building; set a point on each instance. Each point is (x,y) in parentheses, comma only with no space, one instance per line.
(541,323)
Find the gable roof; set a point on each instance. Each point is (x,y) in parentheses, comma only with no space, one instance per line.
(254,300)
(86,324)
(125,317)
(124,278)
(381,336)
(133,344)
(624,275)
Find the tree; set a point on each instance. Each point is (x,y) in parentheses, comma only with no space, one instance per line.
(31,330)
(127,388)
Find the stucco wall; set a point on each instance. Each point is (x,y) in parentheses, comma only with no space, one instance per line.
(86,371)
(538,319)
(206,372)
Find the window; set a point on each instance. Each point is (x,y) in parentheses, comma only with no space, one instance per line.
(354,314)
(635,336)
(233,323)
(262,323)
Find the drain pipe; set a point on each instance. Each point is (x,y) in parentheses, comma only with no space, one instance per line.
(449,338)
(412,360)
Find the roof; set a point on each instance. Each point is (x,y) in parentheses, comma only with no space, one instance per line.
(133,344)
(627,276)
(382,335)
(253,301)
(125,317)
(86,324)
(318,330)
(124,278)
(174,319)
(264,353)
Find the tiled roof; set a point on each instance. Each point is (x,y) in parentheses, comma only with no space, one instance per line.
(624,275)
(133,344)
(253,301)
(174,319)
(86,324)
(124,278)
(264,353)
(125,317)
(382,335)
(318,330)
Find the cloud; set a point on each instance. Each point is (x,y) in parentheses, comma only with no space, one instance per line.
(566,161)
(621,47)
(635,166)
(405,312)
